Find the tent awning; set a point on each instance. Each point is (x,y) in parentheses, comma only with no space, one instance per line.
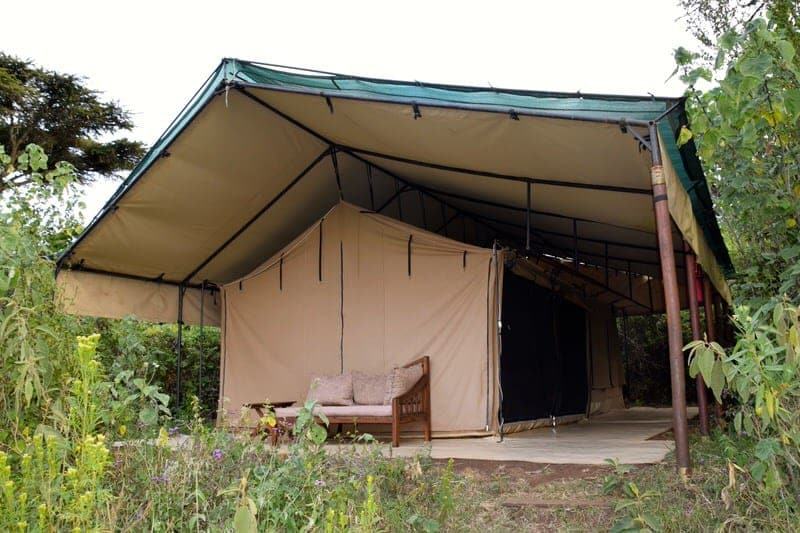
(262,152)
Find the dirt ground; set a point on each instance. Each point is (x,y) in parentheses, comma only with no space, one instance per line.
(532,474)
(522,496)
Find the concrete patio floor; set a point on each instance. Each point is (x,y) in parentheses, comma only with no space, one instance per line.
(621,434)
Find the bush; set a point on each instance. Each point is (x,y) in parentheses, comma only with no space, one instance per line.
(215,481)
(761,374)
(57,479)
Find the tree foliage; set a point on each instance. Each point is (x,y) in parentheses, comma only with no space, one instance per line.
(746,130)
(63,116)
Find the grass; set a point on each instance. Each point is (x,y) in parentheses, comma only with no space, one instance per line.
(574,498)
(218,481)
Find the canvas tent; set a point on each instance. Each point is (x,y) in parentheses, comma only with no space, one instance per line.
(262,152)
(361,291)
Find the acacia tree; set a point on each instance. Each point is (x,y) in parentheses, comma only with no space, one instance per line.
(59,113)
(746,130)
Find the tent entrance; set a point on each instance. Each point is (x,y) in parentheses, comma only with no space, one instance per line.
(543,364)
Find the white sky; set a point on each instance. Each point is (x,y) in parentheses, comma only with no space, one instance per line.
(152,56)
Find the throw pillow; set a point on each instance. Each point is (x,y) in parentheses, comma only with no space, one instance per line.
(402,379)
(331,390)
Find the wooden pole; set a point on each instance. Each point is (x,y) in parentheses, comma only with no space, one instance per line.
(711,329)
(669,275)
(697,334)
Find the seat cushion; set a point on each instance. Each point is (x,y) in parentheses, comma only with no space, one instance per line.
(331,390)
(401,381)
(369,389)
(339,410)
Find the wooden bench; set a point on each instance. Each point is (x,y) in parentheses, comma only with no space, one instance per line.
(412,406)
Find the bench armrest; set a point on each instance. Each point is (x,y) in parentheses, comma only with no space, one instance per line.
(415,400)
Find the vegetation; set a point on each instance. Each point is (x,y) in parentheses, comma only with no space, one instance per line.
(745,128)
(58,113)
(90,438)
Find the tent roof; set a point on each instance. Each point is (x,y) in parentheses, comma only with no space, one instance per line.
(260,152)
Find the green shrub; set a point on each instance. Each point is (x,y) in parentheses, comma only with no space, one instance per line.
(760,374)
(57,480)
(218,481)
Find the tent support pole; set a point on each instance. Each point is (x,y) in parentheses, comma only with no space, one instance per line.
(499,336)
(575,242)
(179,364)
(335,162)
(605,288)
(711,329)
(680,425)
(540,232)
(371,190)
(528,218)
(445,221)
(255,217)
(496,175)
(422,207)
(694,315)
(605,261)
(397,192)
(630,281)
(391,199)
(201,352)
(518,209)
(626,355)
(485,221)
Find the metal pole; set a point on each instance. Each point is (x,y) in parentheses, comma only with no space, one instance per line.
(422,208)
(201,352)
(680,425)
(575,242)
(630,281)
(371,191)
(181,291)
(626,356)
(697,334)
(528,219)
(711,329)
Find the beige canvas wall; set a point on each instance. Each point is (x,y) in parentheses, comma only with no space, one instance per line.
(605,358)
(282,323)
(276,337)
(89,294)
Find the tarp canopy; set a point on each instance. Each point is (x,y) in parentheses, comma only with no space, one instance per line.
(261,152)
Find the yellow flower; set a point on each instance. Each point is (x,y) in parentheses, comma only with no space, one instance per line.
(163,438)
(122,430)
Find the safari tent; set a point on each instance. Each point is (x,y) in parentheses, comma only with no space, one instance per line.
(331,222)
(362,291)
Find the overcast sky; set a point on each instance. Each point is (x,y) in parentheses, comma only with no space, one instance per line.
(152,56)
